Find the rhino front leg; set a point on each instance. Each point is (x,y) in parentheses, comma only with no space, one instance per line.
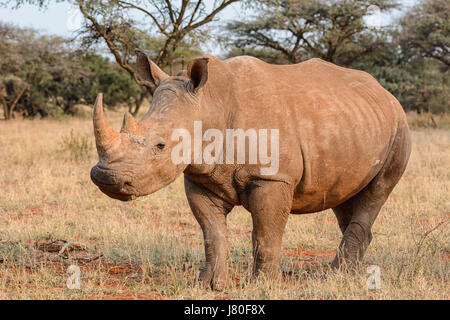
(211,212)
(270,204)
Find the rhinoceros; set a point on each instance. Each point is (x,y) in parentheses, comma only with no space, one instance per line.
(344,144)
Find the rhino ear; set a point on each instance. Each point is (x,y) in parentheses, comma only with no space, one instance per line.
(198,73)
(148,72)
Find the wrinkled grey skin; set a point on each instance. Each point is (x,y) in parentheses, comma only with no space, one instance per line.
(344,144)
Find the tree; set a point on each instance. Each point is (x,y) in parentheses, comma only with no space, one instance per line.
(91,74)
(267,55)
(300,29)
(12,89)
(413,65)
(426,30)
(44,75)
(12,85)
(416,81)
(115,21)
(125,26)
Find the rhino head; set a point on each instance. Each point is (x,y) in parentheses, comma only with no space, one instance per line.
(137,160)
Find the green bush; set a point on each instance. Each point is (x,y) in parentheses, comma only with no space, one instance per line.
(44,76)
(78,146)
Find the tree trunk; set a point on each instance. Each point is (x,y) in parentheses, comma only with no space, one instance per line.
(183,63)
(68,107)
(8,110)
(5,107)
(138,102)
(16,100)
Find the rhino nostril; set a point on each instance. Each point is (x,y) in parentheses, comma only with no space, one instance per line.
(126,187)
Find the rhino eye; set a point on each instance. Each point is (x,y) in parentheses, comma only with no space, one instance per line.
(161,146)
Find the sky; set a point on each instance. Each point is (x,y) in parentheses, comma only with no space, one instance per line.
(61,19)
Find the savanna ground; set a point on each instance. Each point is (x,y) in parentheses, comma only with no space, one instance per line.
(153,248)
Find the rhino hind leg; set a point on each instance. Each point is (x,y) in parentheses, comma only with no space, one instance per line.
(356,226)
(357,215)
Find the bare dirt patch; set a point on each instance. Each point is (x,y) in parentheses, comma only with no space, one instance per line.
(126,296)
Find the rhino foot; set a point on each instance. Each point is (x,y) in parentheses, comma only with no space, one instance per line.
(215,280)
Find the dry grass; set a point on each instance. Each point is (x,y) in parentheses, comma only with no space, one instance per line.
(153,248)
(429,120)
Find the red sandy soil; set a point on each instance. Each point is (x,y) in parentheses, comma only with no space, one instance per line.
(302,253)
(8,184)
(30,212)
(444,256)
(431,221)
(151,219)
(121,269)
(126,296)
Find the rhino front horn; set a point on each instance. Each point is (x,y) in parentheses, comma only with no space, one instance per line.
(129,125)
(105,136)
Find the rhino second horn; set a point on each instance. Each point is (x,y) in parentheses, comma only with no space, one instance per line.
(105,136)
(129,125)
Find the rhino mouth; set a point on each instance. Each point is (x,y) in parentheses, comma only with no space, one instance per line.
(122,190)
(117,195)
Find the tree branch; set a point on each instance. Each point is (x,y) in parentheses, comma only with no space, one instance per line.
(127,5)
(209,17)
(113,48)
